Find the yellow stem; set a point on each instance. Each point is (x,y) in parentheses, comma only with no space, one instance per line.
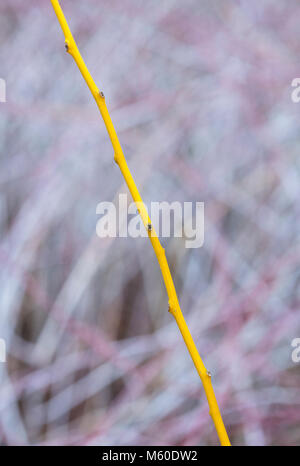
(174,307)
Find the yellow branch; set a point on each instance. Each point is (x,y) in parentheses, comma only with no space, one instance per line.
(174,307)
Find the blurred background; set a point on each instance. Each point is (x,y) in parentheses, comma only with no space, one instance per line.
(200,95)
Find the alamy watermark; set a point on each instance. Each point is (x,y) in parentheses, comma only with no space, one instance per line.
(2,99)
(296,351)
(180,220)
(295,95)
(2,90)
(2,350)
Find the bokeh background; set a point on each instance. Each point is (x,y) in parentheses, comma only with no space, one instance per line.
(200,95)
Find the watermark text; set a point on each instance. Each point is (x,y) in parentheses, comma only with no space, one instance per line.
(2,350)
(296,351)
(175,219)
(2,90)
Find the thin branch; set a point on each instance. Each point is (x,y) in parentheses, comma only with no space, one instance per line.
(174,307)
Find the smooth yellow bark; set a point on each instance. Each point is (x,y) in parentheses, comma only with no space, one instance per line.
(174,307)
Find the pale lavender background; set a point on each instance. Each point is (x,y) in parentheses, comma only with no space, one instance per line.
(200,94)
